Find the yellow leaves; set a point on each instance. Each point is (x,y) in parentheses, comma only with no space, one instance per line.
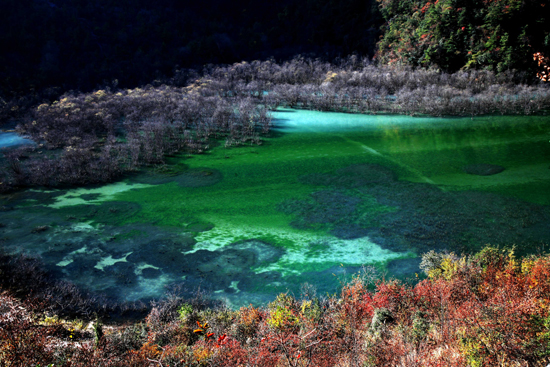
(201,354)
(282,318)
(526,266)
(471,348)
(543,304)
(330,76)
(42,106)
(449,266)
(306,305)
(100,94)
(50,320)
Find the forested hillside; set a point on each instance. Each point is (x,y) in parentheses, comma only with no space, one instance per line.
(85,44)
(463,34)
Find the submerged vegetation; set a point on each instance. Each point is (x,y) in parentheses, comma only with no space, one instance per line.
(486,309)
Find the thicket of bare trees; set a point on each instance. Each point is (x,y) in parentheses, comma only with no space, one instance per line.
(355,85)
(96,137)
(88,138)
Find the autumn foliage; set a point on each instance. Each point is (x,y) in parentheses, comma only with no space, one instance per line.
(490,309)
(495,35)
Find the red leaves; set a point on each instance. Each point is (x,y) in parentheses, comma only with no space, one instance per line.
(493,310)
(231,354)
(357,299)
(221,338)
(426,7)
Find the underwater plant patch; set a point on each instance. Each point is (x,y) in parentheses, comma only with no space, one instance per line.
(326,194)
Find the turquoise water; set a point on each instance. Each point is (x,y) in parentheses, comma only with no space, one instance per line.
(326,194)
(10,139)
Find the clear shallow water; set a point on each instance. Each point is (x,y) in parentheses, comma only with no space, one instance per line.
(326,194)
(8,139)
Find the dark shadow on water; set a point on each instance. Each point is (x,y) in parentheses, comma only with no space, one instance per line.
(404,267)
(284,111)
(415,216)
(274,133)
(194,177)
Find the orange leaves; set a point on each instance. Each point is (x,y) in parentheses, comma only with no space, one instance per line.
(493,308)
(201,353)
(537,275)
(148,350)
(544,65)
(248,320)
(426,7)
(202,329)
(249,315)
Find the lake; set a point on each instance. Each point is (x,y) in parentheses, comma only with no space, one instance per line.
(326,194)
(11,139)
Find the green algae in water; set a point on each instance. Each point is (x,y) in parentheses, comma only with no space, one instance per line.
(328,193)
(441,150)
